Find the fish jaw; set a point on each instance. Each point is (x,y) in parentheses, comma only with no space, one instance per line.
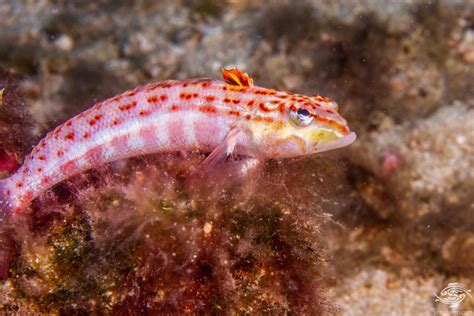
(343,141)
(289,145)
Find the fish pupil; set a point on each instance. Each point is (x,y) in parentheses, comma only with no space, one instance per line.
(303,112)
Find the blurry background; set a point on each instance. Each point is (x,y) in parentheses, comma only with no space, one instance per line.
(401,198)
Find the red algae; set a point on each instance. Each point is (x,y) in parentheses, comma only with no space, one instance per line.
(128,243)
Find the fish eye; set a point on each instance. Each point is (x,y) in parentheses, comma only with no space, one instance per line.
(301,117)
(302,112)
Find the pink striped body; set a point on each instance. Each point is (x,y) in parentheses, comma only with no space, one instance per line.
(195,114)
(151,119)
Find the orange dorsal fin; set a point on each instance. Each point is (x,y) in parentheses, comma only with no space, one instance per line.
(235,77)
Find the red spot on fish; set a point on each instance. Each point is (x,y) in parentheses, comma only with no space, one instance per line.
(42,158)
(116,122)
(45,180)
(70,136)
(68,123)
(163,98)
(59,153)
(263,119)
(281,108)
(182,96)
(128,106)
(86,135)
(226,100)
(144,113)
(174,107)
(207,109)
(117,98)
(235,101)
(248,117)
(131,93)
(268,119)
(210,98)
(262,107)
(250,103)
(19,184)
(234,113)
(152,99)
(39,169)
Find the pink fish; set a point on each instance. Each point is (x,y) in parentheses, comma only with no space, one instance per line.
(197,114)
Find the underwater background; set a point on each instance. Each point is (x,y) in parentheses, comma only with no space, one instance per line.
(375,228)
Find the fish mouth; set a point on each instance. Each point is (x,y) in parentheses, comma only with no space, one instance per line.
(344,141)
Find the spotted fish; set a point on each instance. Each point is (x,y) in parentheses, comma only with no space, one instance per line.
(221,117)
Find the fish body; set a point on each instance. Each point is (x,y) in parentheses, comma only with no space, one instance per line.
(221,117)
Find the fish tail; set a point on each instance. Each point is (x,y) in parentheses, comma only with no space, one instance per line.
(5,203)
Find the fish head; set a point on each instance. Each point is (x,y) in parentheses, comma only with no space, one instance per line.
(304,125)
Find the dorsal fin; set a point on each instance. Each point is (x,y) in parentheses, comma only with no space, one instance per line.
(235,77)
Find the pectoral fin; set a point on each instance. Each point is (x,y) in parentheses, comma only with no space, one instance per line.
(220,154)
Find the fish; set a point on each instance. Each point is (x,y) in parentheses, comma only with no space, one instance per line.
(224,118)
